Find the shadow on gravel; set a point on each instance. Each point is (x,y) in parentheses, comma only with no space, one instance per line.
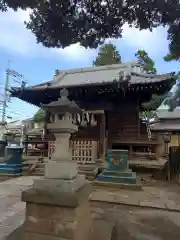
(132,224)
(15,235)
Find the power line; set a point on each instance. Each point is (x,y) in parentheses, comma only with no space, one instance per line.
(19,79)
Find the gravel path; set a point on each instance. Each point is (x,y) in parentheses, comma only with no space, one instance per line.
(12,210)
(132,223)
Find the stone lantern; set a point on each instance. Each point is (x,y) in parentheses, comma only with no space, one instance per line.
(57,204)
(61,171)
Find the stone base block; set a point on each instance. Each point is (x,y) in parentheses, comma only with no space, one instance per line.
(12,169)
(57,216)
(59,185)
(61,169)
(122,177)
(114,185)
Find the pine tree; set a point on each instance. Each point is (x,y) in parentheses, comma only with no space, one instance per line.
(146,62)
(107,55)
(39,116)
(174,42)
(156,100)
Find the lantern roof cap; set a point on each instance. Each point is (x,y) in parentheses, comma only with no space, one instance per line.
(63,104)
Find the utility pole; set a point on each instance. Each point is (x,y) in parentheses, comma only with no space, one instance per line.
(9,72)
(6,85)
(4,104)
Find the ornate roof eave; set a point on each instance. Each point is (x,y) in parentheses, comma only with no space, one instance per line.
(153,75)
(50,86)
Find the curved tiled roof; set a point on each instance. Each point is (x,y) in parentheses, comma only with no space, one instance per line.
(101,75)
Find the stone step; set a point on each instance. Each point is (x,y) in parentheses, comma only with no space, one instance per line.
(36,169)
(89,170)
(87,166)
(119,174)
(39,164)
(118,179)
(105,184)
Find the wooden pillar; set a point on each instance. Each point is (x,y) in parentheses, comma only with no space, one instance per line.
(26,145)
(138,120)
(102,141)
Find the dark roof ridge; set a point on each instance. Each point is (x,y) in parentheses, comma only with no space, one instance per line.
(98,68)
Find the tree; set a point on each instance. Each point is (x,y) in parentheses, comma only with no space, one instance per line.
(107,55)
(174,38)
(58,23)
(15,4)
(169,99)
(147,116)
(155,102)
(146,62)
(39,116)
(173,98)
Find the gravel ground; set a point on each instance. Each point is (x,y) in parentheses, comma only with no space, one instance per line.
(133,223)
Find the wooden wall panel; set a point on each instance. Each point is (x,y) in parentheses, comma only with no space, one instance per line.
(88,133)
(123,123)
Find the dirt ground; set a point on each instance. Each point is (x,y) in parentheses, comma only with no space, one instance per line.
(131,223)
(134,223)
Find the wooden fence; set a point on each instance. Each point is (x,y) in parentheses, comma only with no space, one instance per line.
(83,151)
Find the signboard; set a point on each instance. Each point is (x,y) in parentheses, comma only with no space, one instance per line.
(118,160)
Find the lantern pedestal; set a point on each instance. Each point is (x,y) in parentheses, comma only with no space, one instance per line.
(60,185)
(57,215)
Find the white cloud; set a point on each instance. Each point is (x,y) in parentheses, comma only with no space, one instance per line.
(75,51)
(154,42)
(15,37)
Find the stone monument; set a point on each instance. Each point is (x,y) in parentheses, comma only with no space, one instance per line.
(118,171)
(57,206)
